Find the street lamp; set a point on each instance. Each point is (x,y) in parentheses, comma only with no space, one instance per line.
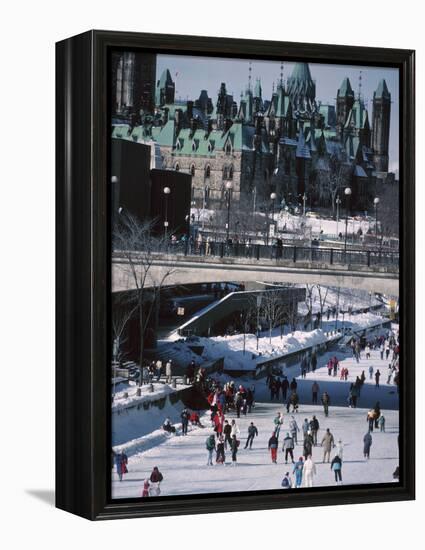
(187,219)
(347,193)
(259,299)
(273,197)
(337,202)
(376,202)
(304,197)
(114,194)
(166,191)
(228,196)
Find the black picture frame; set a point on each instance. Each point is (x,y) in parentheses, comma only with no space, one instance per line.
(83,279)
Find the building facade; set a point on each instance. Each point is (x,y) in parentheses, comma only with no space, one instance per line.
(287,144)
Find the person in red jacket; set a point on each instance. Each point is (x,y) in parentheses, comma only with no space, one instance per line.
(155,482)
(273,445)
(218,424)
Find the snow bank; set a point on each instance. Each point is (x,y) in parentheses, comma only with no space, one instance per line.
(231,347)
(160,390)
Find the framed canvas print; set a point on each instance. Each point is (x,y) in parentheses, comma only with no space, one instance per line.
(235,275)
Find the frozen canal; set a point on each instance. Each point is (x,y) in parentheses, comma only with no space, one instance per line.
(182,459)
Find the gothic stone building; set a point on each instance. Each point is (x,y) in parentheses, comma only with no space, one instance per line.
(288,144)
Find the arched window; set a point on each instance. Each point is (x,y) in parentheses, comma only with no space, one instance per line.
(192,170)
(231,173)
(225,173)
(177,167)
(228,148)
(207,171)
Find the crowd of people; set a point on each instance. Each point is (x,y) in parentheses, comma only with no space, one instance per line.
(232,400)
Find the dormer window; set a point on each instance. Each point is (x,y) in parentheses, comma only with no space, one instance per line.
(228,148)
(193,146)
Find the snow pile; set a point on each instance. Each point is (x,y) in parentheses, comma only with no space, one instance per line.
(231,347)
(160,390)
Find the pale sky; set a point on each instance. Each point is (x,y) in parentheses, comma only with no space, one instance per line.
(197,73)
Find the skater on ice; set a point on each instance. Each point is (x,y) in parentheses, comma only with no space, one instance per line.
(327,444)
(336,467)
(367,444)
(326,401)
(294,429)
(286,482)
(298,471)
(155,482)
(288,447)
(272,446)
(252,432)
(210,445)
(121,462)
(309,471)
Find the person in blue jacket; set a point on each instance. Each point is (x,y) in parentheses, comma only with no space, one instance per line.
(286,482)
(298,471)
(336,467)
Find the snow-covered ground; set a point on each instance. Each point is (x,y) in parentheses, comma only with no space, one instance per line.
(231,347)
(342,298)
(182,459)
(315,223)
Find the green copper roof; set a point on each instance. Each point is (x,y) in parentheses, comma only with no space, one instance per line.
(345,89)
(382,90)
(301,72)
(166,135)
(282,103)
(300,83)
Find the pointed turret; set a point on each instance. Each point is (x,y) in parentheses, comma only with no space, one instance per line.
(381,126)
(382,91)
(345,88)
(344,104)
(301,88)
(165,89)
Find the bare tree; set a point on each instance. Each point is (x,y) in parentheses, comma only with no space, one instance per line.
(323,293)
(247,317)
(122,312)
(244,223)
(291,314)
(136,245)
(388,212)
(274,309)
(333,177)
(309,289)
